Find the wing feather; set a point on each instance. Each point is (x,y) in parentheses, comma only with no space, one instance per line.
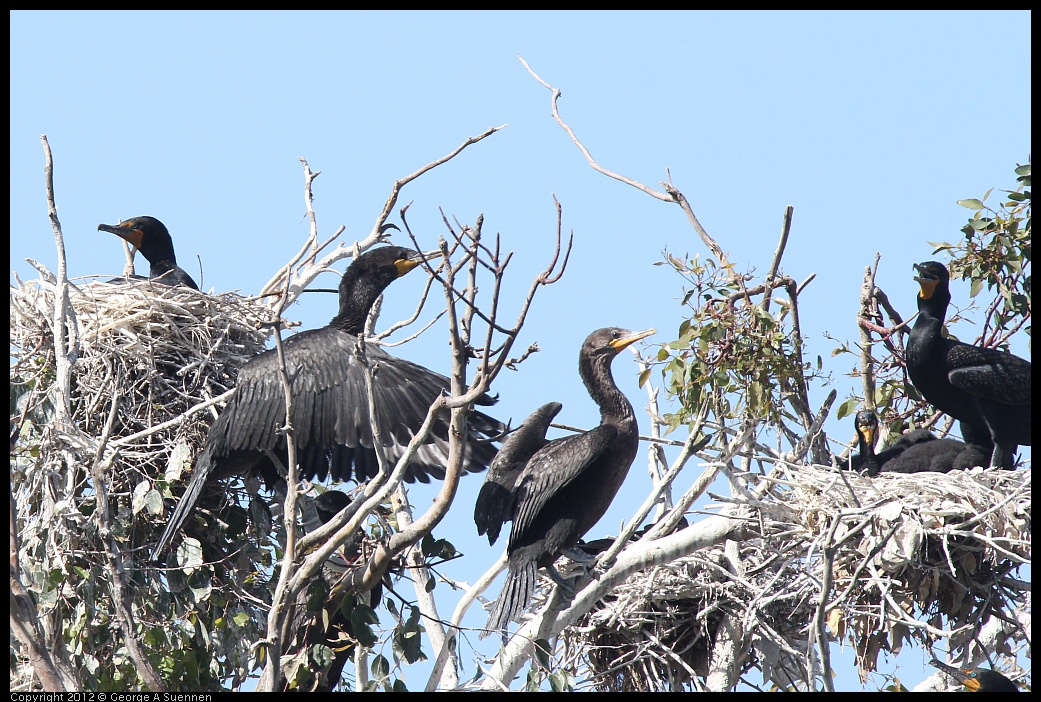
(330,409)
(552,468)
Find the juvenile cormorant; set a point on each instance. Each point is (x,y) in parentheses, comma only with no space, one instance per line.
(149,236)
(917,451)
(569,483)
(985,388)
(978,679)
(869,462)
(938,456)
(495,501)
(325,622)
(332,429)
(330,503)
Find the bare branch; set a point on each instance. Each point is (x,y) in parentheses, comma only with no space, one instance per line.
(63,324)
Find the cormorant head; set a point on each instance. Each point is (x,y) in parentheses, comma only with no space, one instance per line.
(932,275)
(330,503)
(381,266)
(978,679)
(368,276)
(867,428)
(146,234)
(610,341)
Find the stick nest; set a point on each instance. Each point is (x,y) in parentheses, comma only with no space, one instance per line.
(163,349)
(160,350)
(921,558)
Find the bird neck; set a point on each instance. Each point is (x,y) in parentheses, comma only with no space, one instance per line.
(357,296)
(867,449)
(156,252)
(615,408)
(868,459)
(933,308)
(926,334)
(161,267)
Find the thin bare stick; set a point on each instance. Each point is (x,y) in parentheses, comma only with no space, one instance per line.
(776,263)
(63,324)
(671,194)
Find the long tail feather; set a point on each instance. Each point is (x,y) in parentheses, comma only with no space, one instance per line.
(516,593)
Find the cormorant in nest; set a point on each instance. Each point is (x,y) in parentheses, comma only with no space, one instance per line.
(568,484)
(938,456)
(495,501)
(978,679)
(332,428)
(149,236)
(869,462)
(917,451)
(985,388)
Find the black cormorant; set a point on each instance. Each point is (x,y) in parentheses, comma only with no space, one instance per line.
(332,429)
(149,236)
(495,501)
(978,679)
(987,389)
(569,483)
(917,451)
(939,456)
(325,622)
(330,503)
(869,462)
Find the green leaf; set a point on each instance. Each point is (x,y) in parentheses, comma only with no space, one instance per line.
(972,203)
(189,554)
(644,375)
(380,667)
(361,620)
(542,651)
(847,408)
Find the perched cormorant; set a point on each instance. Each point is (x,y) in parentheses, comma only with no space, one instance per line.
(149,236)
(325,622)
(978,679)
(570,482)
(330,503)
(869,462)
(987,389)
(495,501)
(332,429)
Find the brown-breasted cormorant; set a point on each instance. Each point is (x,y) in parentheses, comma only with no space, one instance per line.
(985,388)
(495,501)
(568,484)
(332,429)
(978,679)
(149,236)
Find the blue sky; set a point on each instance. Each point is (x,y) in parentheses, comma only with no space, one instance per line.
(871,125)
